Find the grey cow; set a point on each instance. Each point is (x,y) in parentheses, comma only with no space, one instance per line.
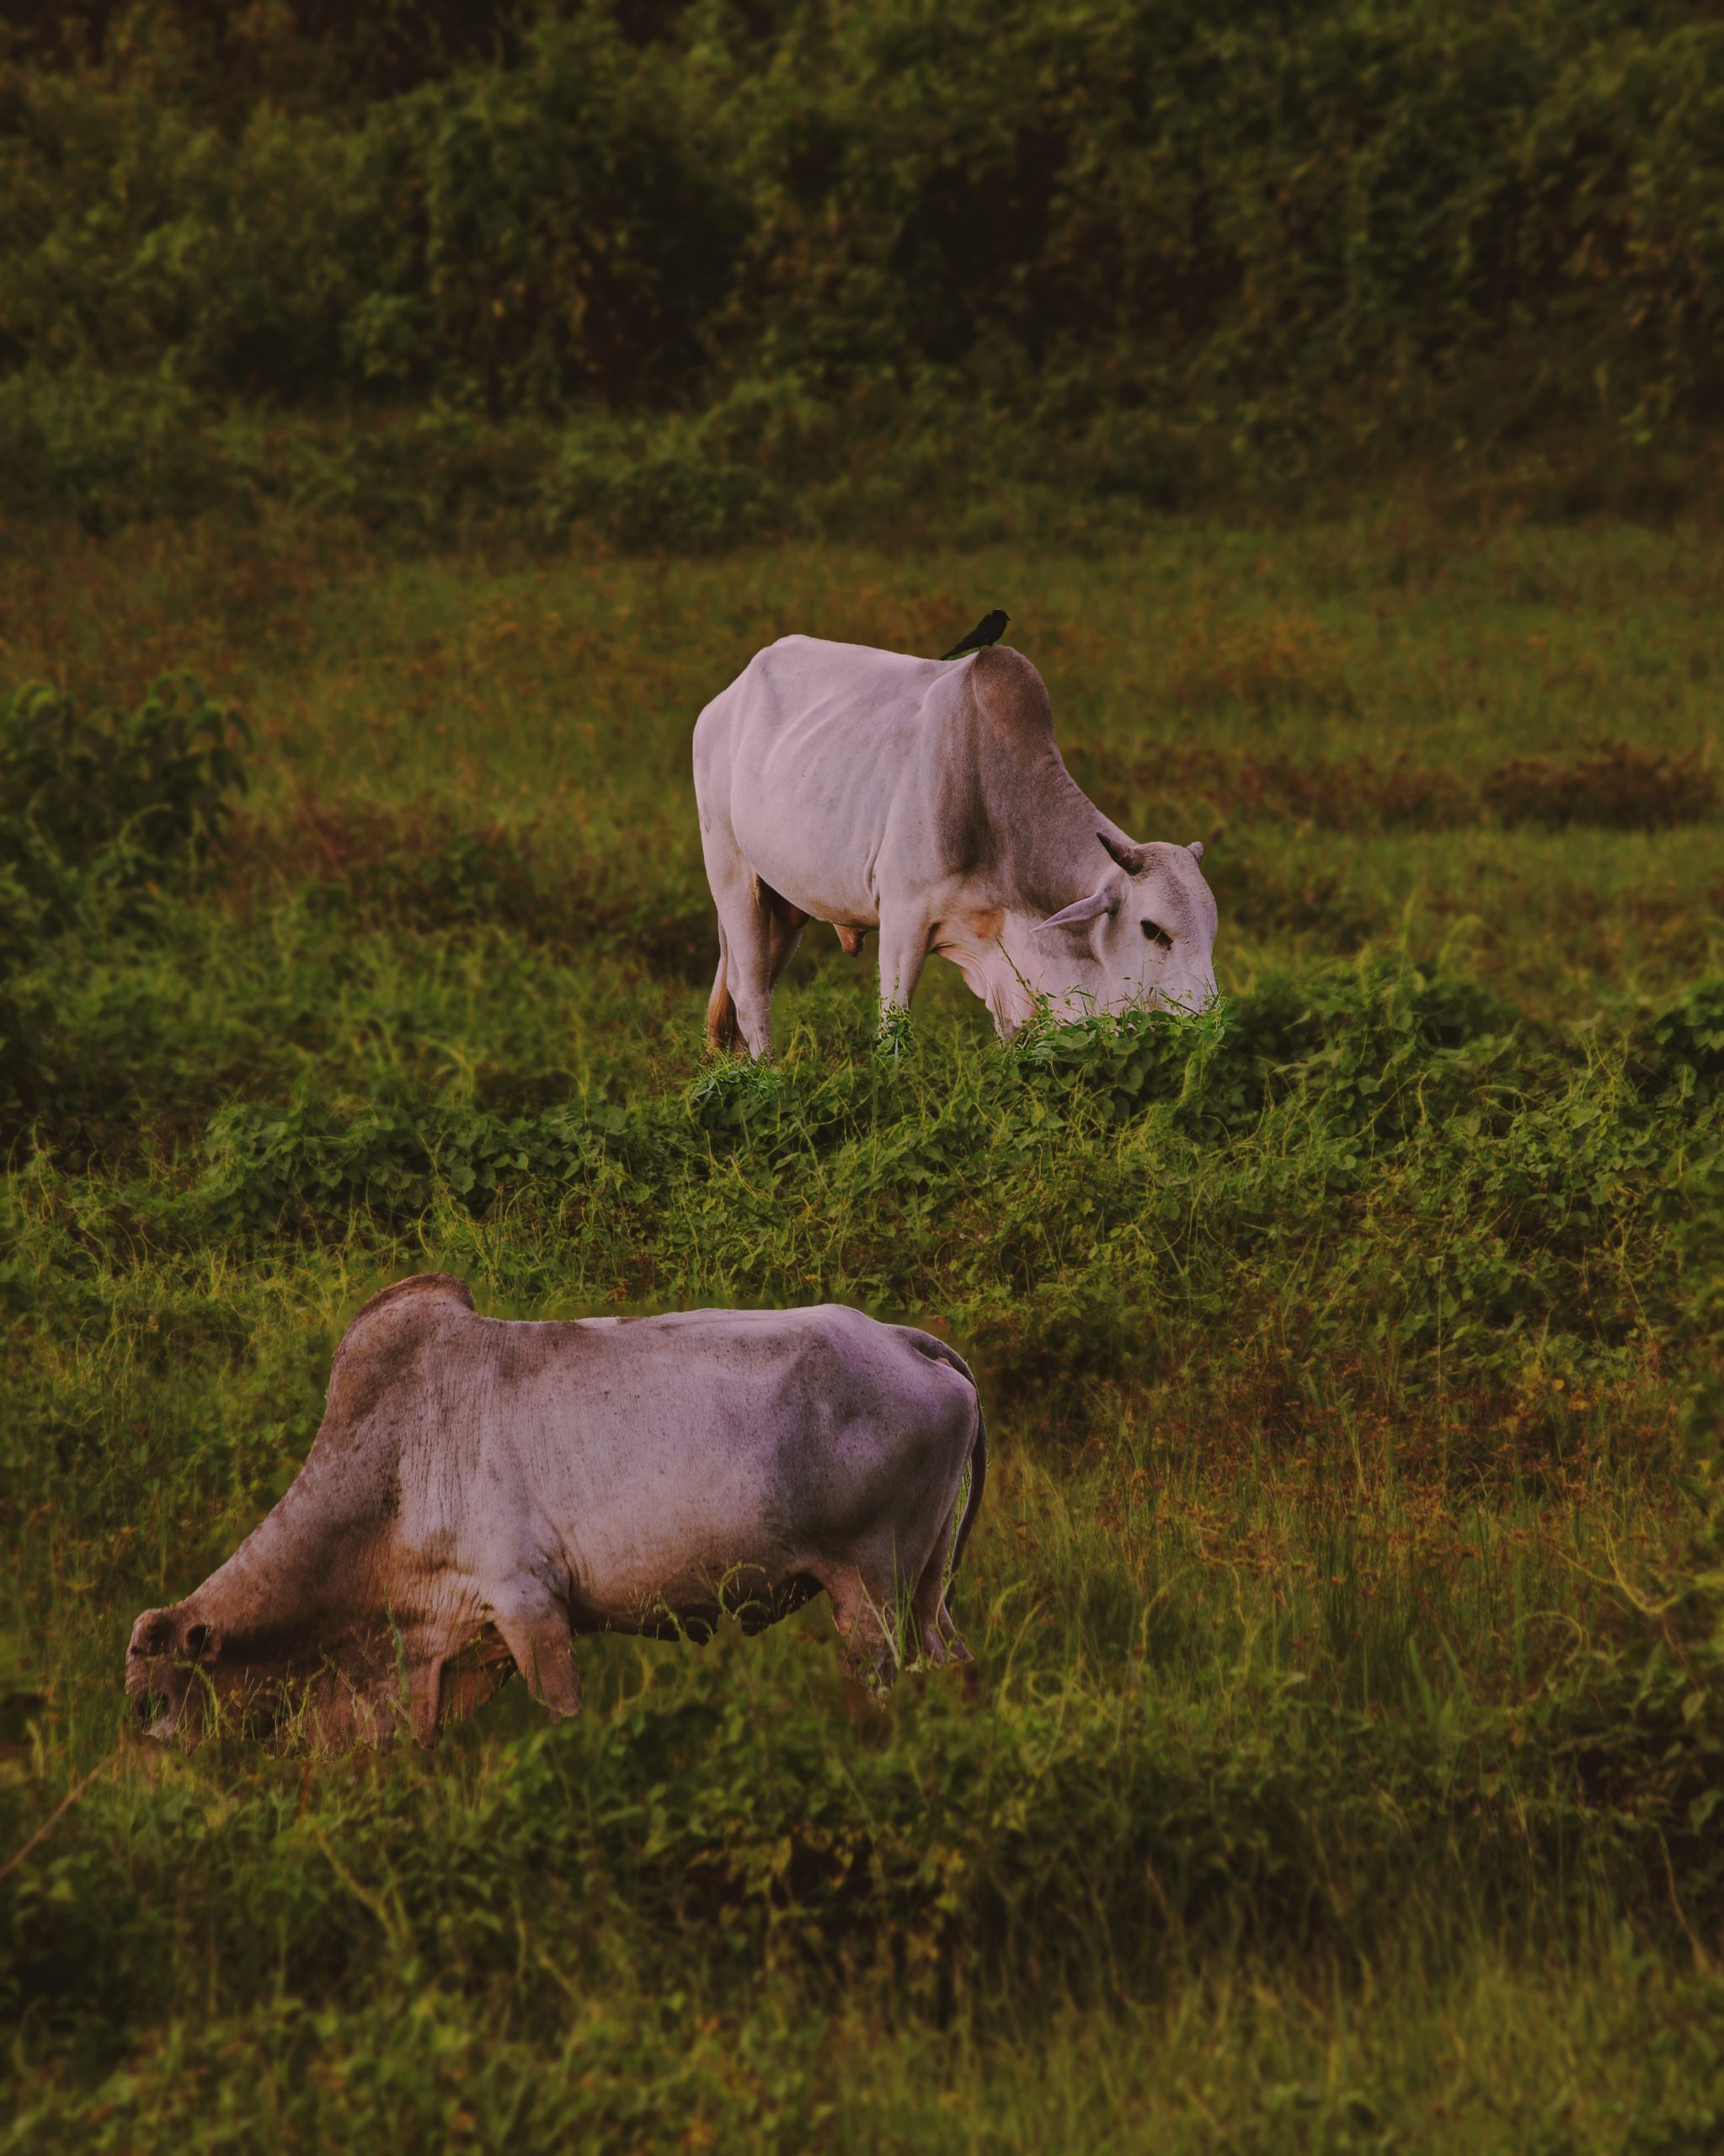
(480,1490)
(928,800)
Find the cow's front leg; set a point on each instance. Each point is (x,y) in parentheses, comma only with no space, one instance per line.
(904,948)
(535,1629)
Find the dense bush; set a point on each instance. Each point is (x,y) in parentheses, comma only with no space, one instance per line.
(1466,1181)
(94,805)
(1679,1057)
(1158,234)
(641,486)
(137,792)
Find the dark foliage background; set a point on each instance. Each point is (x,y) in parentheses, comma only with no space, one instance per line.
(1160,248)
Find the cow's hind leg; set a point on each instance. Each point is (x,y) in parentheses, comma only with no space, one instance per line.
(784,925)
(789,921)
(862,1608)
(746,939)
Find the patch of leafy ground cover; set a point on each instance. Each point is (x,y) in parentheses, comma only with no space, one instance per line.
(1268,1798)
(1616,2054)
(1338,1767)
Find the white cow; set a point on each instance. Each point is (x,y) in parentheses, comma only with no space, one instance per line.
(481,1491)
(926,799)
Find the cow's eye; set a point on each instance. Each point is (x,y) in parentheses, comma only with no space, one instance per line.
(1158,935)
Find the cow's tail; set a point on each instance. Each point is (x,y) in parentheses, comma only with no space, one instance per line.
(937,1350)
(978,1482)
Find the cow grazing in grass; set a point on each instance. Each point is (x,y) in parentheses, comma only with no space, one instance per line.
(928,800)
(481,1491)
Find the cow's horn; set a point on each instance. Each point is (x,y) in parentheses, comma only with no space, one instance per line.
(1132,859)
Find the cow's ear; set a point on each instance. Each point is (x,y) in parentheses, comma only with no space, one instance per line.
(1132,859)
(1196,849)
(1098,902)
(200,1642)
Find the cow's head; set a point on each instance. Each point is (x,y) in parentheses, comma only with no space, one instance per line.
(1146,934)
(173,1671)
(329,1686)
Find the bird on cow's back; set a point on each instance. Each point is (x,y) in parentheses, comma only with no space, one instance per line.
(989,630)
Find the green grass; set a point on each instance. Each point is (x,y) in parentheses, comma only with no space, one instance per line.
(1338,1767)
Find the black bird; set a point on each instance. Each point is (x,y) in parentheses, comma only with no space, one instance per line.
(989,630)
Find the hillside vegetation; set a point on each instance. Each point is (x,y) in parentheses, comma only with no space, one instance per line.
(1340,1766)
(686,274)
(409,416)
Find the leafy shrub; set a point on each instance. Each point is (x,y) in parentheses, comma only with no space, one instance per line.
(1391,1046)
(1379,1049)
(661,488)
(738,1098)
(1124,1059)
(93,803)
(305,1165)
(1053,1190)
(416,478)
(140,793)
(1678,1050)
(106,449)
(27,1063)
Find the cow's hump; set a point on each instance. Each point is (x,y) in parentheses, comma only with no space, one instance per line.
(379,1351)
(1011,696)
(439,1286)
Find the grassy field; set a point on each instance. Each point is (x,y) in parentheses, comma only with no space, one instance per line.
(1338,1767)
